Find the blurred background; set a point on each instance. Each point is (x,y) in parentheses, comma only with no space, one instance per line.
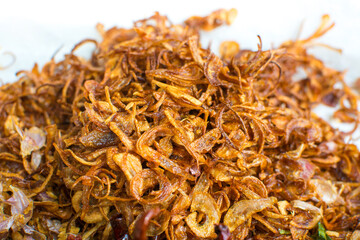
(32,31)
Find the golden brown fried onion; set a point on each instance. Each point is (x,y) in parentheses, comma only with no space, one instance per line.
(155,136)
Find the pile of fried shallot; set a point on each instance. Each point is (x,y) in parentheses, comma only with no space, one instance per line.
(156,137)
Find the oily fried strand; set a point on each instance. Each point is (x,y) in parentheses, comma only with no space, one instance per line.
(155,137)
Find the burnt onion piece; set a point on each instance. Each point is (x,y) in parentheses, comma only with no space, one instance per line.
(223,232)
(157,137)
(119,227)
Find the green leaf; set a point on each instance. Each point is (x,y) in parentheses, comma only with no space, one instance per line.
(284,232)
(321,234)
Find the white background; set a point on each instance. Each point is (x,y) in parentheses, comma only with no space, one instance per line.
(33,30)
